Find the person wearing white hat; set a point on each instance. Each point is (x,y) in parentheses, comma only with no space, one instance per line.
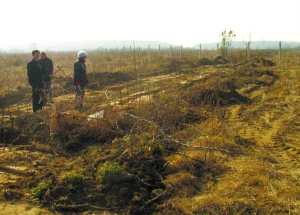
(80,79)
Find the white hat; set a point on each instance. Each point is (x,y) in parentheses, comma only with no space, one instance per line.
(82,54)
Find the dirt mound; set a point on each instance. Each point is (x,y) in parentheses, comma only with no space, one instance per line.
(13,96)
(219,60)
(98,80)
(109,77)
(217,98)
(12,136)
(35,126)
(123,182)
(75,132)
(178,64)
(254,76)
(7,135)
(204,62)
(264,62)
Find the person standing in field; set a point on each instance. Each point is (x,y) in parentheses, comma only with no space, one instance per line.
(36,81)
(47,70)
(80,79)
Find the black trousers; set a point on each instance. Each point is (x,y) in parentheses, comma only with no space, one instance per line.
(37,99)
(48,90)
(79,96)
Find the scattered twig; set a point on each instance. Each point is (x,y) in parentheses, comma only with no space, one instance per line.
(60,69)
(183,155)
(150,185)
(107,95)
(163,193)
(171,138)
(41,123)
(203,147)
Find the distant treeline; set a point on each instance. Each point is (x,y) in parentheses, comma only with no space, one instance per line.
(143,45)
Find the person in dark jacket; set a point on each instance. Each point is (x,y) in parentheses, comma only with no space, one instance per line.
(80,79)
(36,81)
(47,70)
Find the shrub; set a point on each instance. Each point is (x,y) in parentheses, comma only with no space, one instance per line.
(74,181)
(220,60)
(110,173)
(42,188)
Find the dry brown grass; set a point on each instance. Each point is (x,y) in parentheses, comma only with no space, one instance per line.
(259,183)
(250,186)
(179,163)
(193,139)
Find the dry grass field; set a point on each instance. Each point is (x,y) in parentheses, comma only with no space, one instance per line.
(157,135)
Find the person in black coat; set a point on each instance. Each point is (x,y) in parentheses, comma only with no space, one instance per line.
(47,71)
(36,81)
(80,78)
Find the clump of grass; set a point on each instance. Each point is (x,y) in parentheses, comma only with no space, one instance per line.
(111,173)
(74,181)
(42,188)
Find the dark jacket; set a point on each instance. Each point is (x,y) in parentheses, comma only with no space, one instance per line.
(35,76)
(47,67)
(80,73)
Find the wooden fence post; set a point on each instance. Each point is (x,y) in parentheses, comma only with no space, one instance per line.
(279,51)
(248,50)
(199,51)
(139,51)
(180,53)
(170,51)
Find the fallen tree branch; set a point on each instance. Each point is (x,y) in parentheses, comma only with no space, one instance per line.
(156,197)
(183,155)
(150,185)
(200,147)
(107,95)
(171,138)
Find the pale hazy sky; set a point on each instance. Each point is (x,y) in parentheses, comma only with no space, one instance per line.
(185,22)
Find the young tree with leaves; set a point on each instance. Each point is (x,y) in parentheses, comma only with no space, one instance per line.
(227,38)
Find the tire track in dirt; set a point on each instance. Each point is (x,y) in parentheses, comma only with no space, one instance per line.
(272,121)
